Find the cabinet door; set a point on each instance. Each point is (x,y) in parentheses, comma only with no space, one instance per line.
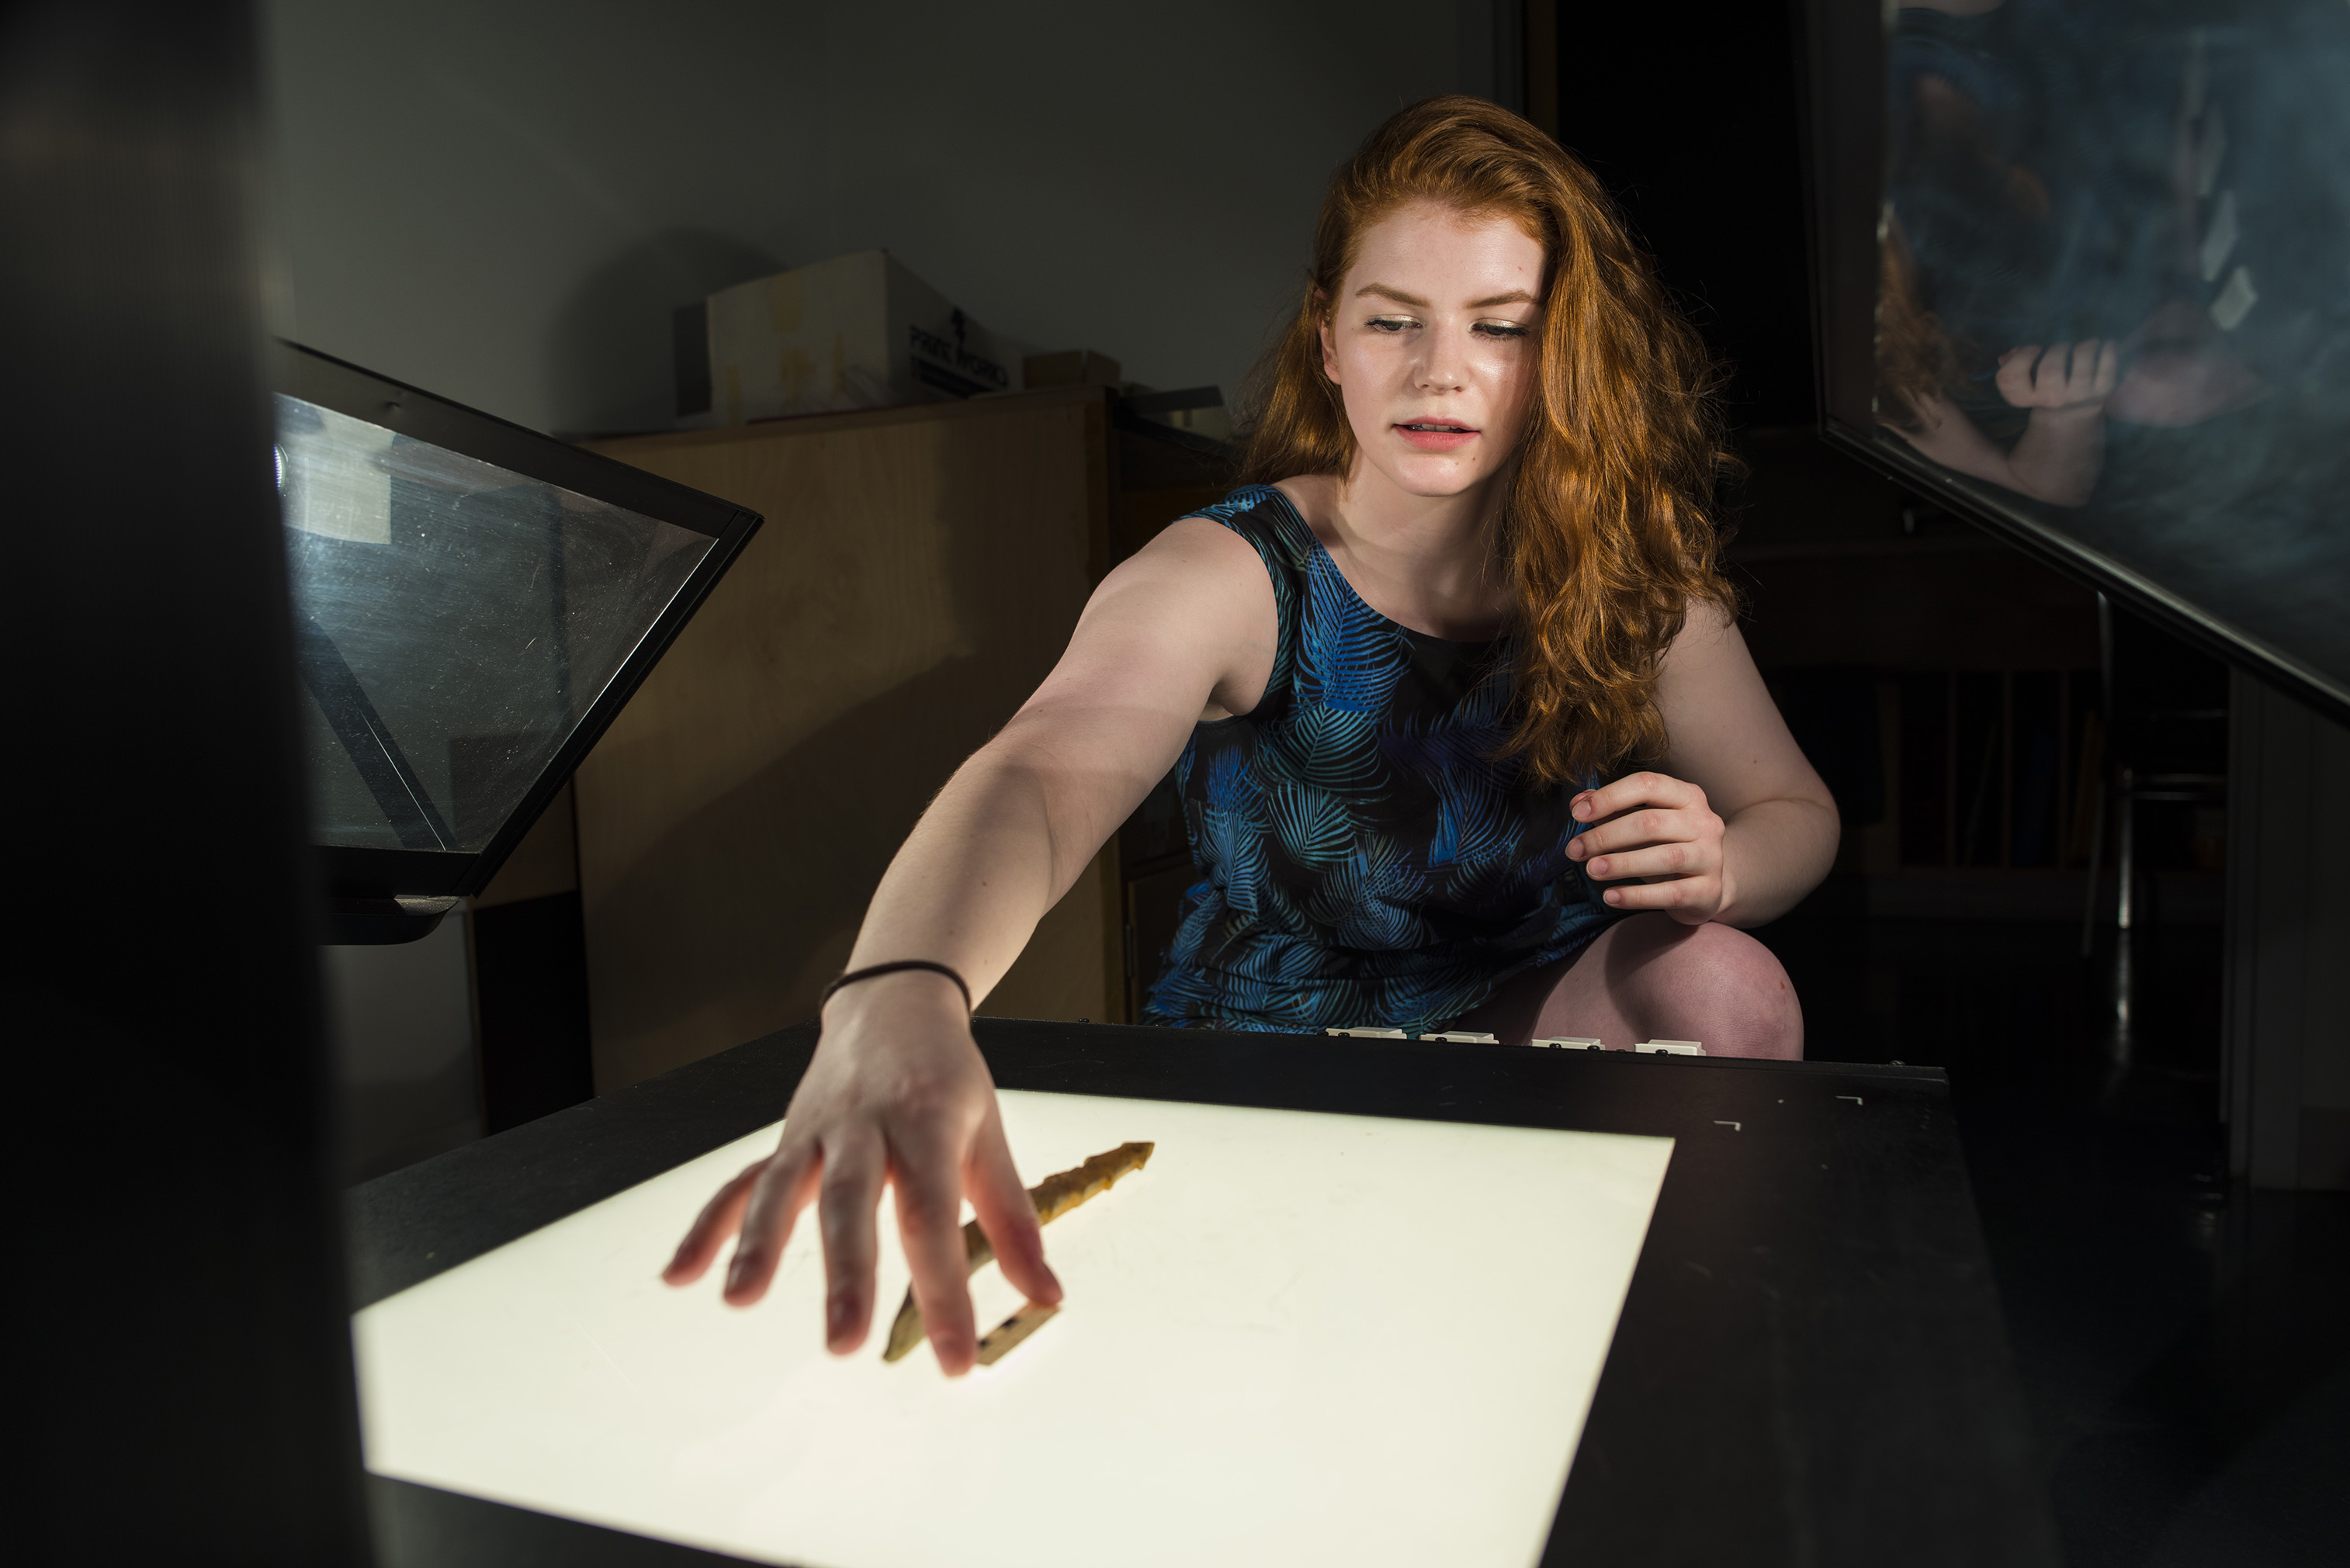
(919,573)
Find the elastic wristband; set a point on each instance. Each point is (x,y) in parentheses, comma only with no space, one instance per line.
(870,970)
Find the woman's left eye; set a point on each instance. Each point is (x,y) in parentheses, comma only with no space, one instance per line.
(1500,330)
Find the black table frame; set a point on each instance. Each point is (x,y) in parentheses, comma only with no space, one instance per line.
(1810,1368)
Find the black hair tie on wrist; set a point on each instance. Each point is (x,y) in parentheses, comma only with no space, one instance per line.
(870,970)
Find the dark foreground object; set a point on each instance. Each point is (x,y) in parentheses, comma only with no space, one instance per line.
(1810,1367)
(2177,1337)
(189,1400)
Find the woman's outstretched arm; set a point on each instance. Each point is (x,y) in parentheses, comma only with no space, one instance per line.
(897,1092)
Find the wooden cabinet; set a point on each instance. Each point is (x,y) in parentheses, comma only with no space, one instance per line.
(919,572)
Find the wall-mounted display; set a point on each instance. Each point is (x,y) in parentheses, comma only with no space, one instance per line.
(2083,272)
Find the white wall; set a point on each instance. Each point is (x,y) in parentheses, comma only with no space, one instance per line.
(502,200)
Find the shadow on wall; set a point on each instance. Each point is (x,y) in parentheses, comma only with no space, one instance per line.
(609,349)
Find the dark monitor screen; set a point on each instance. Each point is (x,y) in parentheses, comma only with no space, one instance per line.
(473,604)
(2083,272)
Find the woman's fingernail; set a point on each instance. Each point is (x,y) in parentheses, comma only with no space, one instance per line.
(1613,896)
(1600,866)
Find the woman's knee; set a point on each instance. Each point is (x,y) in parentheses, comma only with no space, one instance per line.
(1713,984)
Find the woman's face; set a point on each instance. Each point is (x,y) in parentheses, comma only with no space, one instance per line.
(1432,341)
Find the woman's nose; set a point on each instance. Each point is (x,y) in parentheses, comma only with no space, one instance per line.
(1441,368)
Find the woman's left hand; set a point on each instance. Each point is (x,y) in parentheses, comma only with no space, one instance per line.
(1660,831)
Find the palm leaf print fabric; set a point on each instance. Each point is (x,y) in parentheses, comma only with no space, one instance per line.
(1363,858)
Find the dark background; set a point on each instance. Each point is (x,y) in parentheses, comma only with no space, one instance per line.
(1691,118)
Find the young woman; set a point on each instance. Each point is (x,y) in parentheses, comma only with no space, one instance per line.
(1472,576)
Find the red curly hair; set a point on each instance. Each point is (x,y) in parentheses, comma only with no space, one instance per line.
(1608,527)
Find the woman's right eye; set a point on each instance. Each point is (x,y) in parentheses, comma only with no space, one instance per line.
(1391,323)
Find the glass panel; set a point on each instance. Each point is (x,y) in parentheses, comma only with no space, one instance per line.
(2114,288)
(453,623)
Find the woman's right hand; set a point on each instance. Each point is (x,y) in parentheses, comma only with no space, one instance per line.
(897,1092)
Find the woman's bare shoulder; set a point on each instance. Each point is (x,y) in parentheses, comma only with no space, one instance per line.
(1196,552)
(1194,608)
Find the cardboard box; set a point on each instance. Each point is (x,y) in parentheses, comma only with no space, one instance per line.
(1071,367)
(855,332)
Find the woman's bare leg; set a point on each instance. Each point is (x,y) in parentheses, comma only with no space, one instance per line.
(1650,977)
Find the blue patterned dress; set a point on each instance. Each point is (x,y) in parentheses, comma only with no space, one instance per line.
(1363,857)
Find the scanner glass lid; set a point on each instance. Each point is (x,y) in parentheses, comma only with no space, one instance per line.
(454,622)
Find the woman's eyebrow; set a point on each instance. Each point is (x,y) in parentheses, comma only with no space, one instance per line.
(1516,297)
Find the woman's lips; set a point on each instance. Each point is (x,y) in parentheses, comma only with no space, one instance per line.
(1436,435)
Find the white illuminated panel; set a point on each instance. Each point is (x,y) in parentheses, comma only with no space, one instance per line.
(1294,1339)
